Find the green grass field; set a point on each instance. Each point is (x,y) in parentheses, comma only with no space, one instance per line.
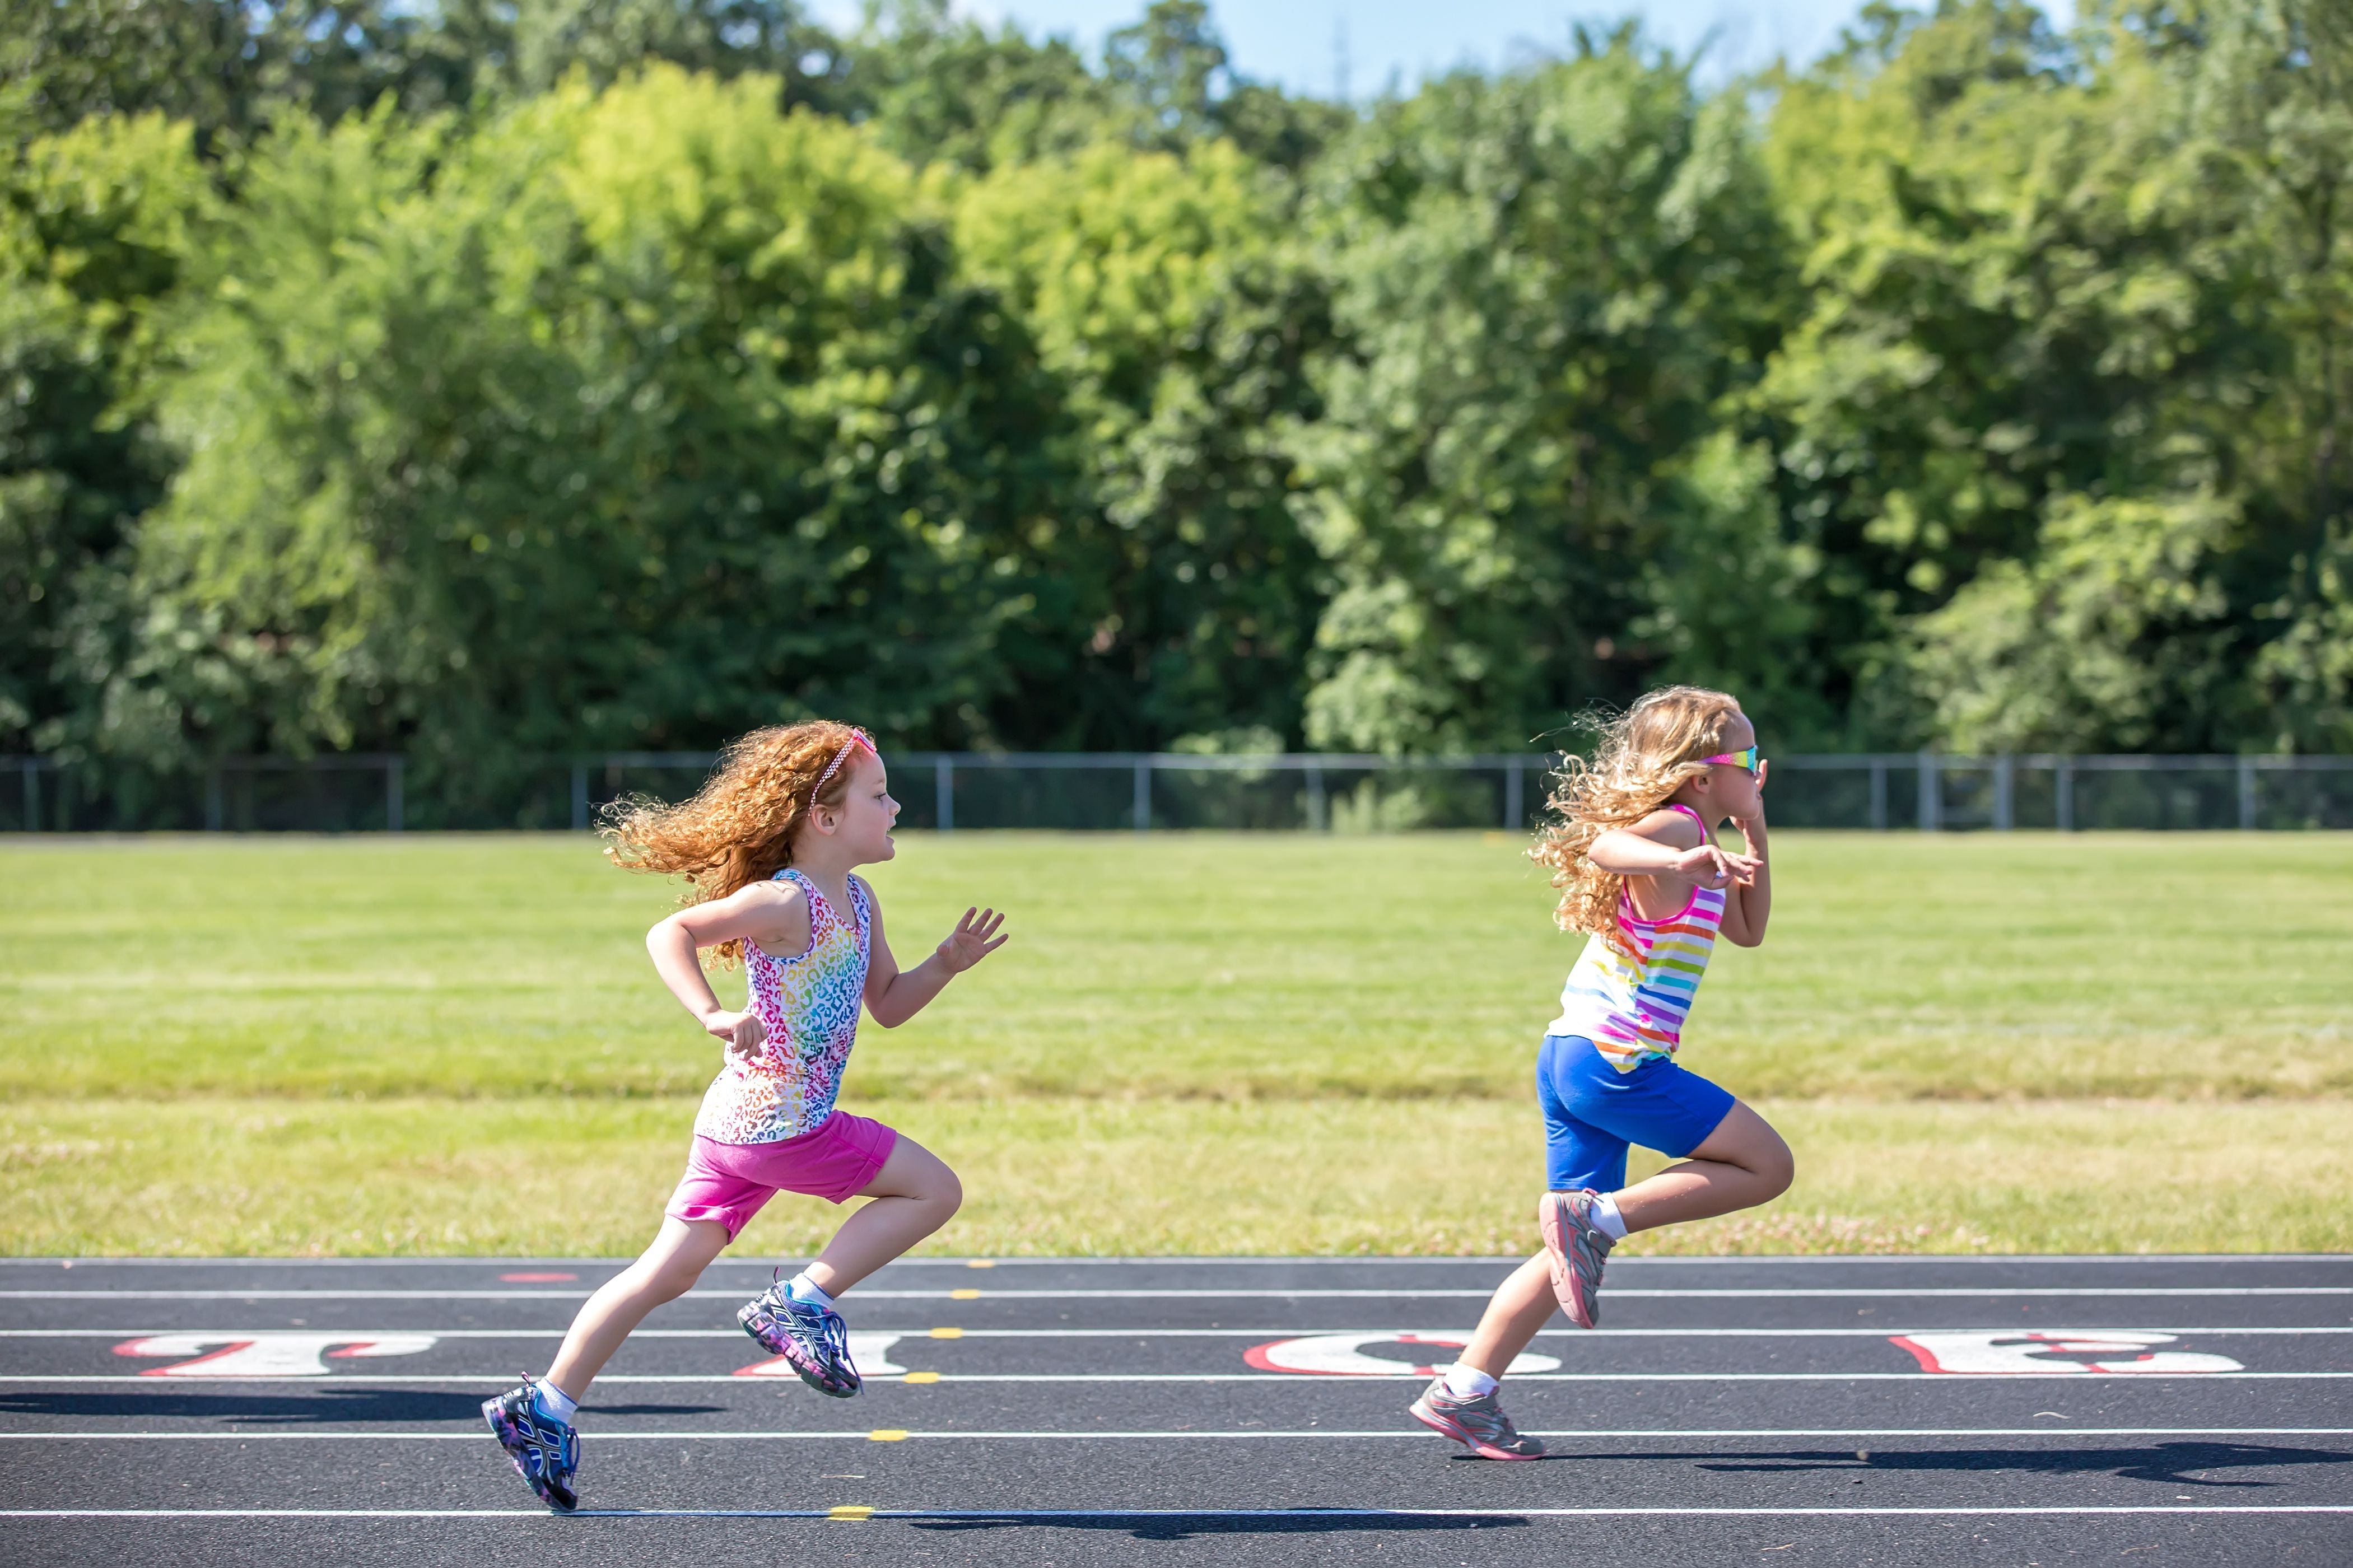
(1195,1043)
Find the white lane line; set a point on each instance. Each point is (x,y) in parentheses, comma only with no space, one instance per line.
(1882,1260)
(918,1333)
(1410,1293)
(1406,1374)
(1372,1516)
(1183,1434)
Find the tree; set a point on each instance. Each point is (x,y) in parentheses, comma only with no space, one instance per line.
(636,419)
(95,227)
(1177,322)
(1544,285)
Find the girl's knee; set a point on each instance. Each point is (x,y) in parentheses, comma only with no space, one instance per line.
(1777,1170)
(669,1281)
(947,1195)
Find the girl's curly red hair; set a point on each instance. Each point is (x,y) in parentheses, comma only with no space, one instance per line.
(738,828)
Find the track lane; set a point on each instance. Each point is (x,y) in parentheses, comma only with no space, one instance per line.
(982,1467)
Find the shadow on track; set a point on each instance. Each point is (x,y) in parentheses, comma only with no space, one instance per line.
(319,1407)
(1211,1522)
(2174,1464)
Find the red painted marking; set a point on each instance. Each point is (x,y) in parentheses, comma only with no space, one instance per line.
(1921,1353)
(130,1348)
(779,1367)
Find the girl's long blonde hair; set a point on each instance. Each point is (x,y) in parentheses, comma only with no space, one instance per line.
(1646,754)
(738,827)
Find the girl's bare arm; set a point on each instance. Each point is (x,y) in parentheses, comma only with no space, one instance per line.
(774,914)
(894,995)
(1668,845)
(1749,904)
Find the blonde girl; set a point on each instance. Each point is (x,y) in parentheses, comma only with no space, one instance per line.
(1633,852)
(767,849)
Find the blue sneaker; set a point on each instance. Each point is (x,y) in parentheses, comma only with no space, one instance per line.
(813,1340)
(546,1451)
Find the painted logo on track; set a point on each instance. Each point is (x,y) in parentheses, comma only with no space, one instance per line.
(1343,1355)
(267,1354)
(2046,1352)
(871,1352)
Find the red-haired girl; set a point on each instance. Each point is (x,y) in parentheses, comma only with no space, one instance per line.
(767,848)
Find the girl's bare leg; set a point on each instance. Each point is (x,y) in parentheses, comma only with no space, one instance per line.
(1743,1163)
(913,1195)
(681,1250)
(1520,1305)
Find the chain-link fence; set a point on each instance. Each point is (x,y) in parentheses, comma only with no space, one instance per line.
(1145,791)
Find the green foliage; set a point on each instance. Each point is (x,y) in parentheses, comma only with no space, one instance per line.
(96,226)
(472,380)
(2066,402)
(661,360)
(1166,307)
(1542,287)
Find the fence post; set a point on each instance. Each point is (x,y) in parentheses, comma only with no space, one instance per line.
(579,796)
(2062,790)
(944,793)
(2246,794)
(1513,796)
(32,794)
(216,812)
(1931,789)
(2005,774)
(1143,794)
(1879,793)
(1318,808)
(392,801)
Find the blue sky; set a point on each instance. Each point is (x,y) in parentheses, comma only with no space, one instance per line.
(1292,42)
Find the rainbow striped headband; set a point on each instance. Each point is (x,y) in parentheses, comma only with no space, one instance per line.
(858,738)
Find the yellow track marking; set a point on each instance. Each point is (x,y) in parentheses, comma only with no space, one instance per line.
(982,1263)
(886,1434)
(920,1377)
(851,1510)
(964,1295)
(947,1334)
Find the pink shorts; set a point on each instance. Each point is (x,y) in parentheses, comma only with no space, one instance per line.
(729,1182)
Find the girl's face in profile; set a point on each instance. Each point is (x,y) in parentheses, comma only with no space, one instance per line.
(1728,787)
(867,814)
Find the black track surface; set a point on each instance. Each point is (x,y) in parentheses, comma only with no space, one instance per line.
(1773,1410)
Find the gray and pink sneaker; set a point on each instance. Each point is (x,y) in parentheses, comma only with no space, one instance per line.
(1479,1425)
(1577,1251)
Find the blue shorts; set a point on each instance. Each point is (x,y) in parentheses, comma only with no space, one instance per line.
(1592,1112)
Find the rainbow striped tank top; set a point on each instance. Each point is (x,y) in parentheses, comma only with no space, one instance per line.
(808,1005)
(1632,1008)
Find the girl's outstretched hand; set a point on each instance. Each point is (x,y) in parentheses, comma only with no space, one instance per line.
(974,938)
(1713,868)
(742,1033)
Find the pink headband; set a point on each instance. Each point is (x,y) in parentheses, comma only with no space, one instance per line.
(856,739)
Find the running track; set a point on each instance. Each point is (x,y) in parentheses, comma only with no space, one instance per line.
(1769,1411)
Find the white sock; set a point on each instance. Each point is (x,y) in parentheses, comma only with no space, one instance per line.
(552,1402)
(1605,1217)
(807,1292)
(1468,1382)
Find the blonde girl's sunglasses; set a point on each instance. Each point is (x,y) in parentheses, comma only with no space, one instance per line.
(1748,759)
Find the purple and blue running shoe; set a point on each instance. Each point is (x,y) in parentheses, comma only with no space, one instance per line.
(546,1451)
(813,1340)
